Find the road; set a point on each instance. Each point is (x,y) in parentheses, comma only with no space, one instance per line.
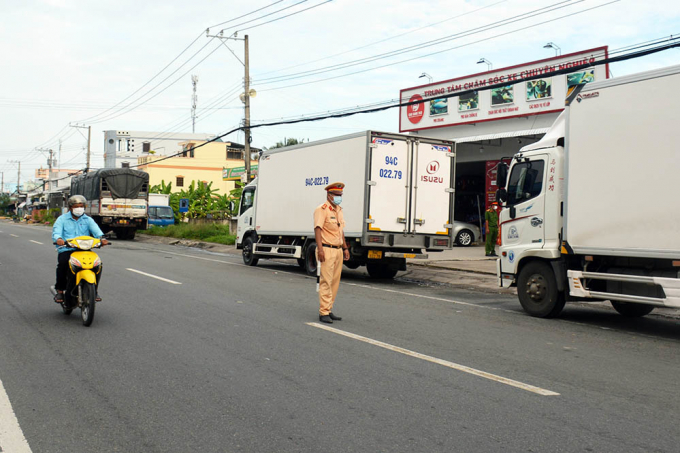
(227,358)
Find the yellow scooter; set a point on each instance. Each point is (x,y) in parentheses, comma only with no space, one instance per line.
(85,267)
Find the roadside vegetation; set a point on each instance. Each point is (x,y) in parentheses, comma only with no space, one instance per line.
(209,232)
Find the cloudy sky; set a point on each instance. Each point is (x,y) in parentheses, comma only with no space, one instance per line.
(119,64)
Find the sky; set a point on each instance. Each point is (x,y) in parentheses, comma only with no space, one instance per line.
(119,64)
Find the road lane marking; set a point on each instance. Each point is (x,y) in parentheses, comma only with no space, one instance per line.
(36,242)
(154,276)
(11,436)
(446,363)
(13,235)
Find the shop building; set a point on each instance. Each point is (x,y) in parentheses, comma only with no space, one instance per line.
(488,125)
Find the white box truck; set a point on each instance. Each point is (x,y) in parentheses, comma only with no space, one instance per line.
(397,202)
(590,211)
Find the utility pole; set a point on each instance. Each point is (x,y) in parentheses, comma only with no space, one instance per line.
(50,161)
(194,100)
(18,172)
(245,96)
(89,136)
(3,182)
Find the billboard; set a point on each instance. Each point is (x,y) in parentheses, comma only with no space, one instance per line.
(519,97)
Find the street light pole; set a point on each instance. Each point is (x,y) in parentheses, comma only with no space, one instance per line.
(552,45)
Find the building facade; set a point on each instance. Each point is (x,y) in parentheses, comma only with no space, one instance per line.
(203,165)
(490,124)
(122,148)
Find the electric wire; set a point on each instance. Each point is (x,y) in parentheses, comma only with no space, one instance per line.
(469,32)
(248,14)
(439,51)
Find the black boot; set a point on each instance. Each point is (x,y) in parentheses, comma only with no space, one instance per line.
(326,319)
(334,318)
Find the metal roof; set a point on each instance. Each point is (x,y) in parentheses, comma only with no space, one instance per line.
(479,138)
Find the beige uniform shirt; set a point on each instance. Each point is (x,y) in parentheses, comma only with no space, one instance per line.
(331,222)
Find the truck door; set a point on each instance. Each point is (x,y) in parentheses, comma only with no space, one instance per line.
(432,181)
(389,193)
(526,193)
(245,213)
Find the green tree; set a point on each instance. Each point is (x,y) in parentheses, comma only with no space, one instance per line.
(161,188)
(4,201)
(287,142)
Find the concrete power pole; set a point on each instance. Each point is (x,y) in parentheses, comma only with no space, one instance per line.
(18,172)
(3,183)
(246,92)
(50,161)
(194,100)
(245,96)
(89,136)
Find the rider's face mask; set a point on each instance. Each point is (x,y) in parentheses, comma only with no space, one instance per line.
(78,211)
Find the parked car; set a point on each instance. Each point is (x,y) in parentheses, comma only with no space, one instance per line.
(466,233)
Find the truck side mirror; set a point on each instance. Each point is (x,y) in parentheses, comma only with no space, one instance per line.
(502,194)
(502,175)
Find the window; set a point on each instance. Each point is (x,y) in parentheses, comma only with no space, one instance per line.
(146,147)
(247,200)
(165,212)
(152,212)
(125,165)
(180,181)
(526,181)
(234,154)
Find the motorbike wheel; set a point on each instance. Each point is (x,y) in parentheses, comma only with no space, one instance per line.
(87,303)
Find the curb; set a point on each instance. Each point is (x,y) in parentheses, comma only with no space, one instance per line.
(459,269)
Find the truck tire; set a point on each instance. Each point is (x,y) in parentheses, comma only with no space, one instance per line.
(537,290)
(630,310)
(126,234)
(310,260)
(465,238)
(301,262)
(249,258)
(381,271)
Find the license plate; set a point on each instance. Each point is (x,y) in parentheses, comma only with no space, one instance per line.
(409,255)
(375,254)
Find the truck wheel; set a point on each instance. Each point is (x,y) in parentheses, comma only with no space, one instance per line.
(126,234)
(249,258)
(301,263)
(465,238)
(537,291)
(630,310)
(381,271)
(310,260)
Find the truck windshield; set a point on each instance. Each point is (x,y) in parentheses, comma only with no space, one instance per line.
(165,212)
(526,181)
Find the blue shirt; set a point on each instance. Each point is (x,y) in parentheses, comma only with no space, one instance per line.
(69,227)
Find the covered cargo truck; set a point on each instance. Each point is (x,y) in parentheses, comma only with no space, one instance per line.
(397,202)
(117,199)
(590,211)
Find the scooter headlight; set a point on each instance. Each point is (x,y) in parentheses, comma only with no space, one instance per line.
(85,244)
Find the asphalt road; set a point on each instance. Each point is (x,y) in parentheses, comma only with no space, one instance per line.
(233,360)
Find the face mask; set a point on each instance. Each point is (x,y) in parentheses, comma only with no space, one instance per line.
(337,199)
(78,211)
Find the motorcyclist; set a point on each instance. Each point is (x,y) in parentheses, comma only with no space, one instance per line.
(68,226)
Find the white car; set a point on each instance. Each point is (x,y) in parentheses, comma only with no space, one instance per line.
(465,233)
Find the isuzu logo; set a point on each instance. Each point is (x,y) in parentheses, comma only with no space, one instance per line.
(433,167)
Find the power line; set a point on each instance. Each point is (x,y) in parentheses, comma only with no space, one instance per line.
(382,40)
(248,14)
(288,15)
(440,51)
(469,32)
(262,17)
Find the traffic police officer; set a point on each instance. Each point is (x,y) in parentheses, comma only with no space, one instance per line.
(491,224)
(331,249)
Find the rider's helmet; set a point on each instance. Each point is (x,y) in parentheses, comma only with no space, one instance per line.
(76,199)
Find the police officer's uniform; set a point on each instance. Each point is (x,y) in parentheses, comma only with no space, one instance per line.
(330,220)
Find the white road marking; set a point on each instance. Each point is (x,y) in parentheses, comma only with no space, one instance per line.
(11,437)
(154,276)
(13,235)
(446,363)
(422,296)
(36,242)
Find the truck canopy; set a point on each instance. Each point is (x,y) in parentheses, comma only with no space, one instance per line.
(122,182)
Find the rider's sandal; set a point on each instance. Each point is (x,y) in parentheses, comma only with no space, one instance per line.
(97,299)
(59,297)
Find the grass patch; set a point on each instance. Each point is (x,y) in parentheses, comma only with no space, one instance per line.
(207,232)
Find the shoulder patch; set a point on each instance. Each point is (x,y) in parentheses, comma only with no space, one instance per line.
(323,206)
